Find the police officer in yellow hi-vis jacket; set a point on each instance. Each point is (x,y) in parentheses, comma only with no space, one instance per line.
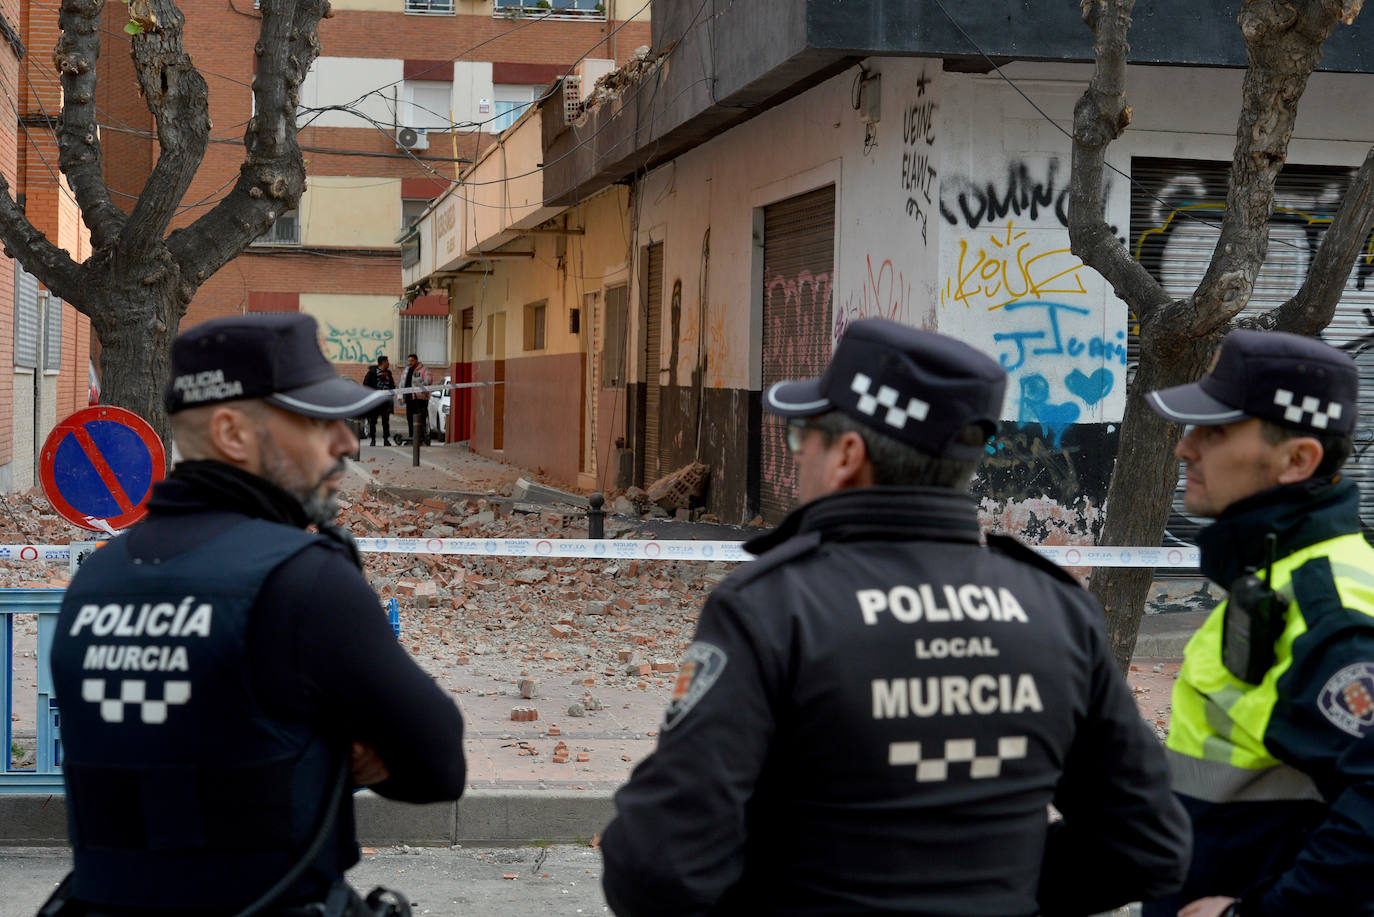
(1271,742)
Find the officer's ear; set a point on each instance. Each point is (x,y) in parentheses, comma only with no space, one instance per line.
(232,432)
(851,467)
(1299,458)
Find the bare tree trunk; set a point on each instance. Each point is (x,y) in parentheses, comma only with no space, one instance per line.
(135,356)
(1139,500)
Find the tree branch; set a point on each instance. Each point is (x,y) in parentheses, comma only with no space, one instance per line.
(179,99)
(1313,306)
(1100,117)
(1283,44)
(78,141)
(53,267)
(272,178)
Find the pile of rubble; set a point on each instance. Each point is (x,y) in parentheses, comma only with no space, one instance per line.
(596,622)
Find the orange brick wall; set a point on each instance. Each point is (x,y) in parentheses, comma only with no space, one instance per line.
(127,155)
(9,130)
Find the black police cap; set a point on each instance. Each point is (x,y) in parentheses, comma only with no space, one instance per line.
(275,357)
(918,387)
(1294,381)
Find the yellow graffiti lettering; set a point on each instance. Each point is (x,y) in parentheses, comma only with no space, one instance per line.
(996,279)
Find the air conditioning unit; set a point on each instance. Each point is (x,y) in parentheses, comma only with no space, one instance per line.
(412,138)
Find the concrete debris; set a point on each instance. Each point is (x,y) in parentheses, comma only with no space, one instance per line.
(678,490)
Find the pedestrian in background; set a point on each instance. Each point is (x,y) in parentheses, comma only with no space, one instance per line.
(1271,738)
(874,715)
(379,377)
(417,403)
(226,676)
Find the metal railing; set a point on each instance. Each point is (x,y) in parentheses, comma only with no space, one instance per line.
(45,776)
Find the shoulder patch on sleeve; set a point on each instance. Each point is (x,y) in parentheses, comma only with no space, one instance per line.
(1347,699)
(701,666)
(1005,544)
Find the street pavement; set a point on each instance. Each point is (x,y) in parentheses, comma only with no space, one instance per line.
(442,882)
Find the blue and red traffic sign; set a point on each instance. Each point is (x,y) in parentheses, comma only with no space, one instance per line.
(99,465)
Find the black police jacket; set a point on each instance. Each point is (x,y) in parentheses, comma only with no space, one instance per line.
(212,670)
(874,717)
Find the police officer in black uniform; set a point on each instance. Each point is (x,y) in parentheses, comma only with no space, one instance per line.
(379,376)
(875,714)
(226,676)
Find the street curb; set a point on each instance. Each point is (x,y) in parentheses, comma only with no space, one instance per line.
(1167,644)
(482,818)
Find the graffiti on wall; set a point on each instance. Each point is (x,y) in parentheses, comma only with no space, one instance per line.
(919,177)
(796,338)
(1010,286)
(797,310)
(886,293)
(1045,489)
(1021,193)
(355,345)
(1044,324)
(1176,211)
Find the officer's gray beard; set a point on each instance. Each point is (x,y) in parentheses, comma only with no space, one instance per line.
(321,506)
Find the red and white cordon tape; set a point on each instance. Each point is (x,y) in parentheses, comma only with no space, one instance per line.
(730,551)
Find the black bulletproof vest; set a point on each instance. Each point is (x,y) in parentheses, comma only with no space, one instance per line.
(181,791)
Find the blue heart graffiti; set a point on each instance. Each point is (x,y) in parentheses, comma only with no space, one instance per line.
(1091,389)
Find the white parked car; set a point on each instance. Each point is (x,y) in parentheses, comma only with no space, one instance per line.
(438,413)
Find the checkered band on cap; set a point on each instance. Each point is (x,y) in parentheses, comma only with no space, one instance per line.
(887,398)
(1309,411)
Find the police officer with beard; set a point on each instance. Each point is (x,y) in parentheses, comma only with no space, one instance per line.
(225,675)
(875,715)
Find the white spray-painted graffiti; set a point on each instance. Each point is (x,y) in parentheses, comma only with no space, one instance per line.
(1176,214)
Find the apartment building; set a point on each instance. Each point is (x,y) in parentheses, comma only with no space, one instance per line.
(404,94)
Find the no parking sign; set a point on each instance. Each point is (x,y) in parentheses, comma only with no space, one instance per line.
(99,465)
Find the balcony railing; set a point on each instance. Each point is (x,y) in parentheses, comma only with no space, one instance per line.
(430,7)
(594,10)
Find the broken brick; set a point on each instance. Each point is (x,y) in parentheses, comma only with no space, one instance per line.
(529,687)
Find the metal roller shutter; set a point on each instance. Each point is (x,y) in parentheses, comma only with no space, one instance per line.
(1176,208)
(798,266)
(653,343)
(27,323)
